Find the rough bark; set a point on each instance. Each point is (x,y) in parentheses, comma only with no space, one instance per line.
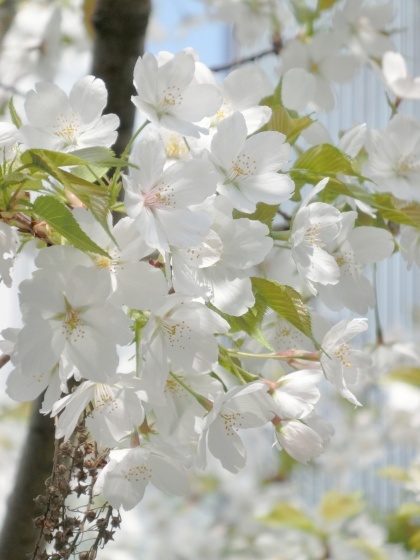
(120,29)
(7,13)
(18,533)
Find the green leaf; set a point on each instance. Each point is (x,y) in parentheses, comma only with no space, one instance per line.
(338,506)
(101,156)
(389,207)
(410,375)
(14,115)
(287,303)
(282,121)
(250,322)
(371,552)
(415,540)
(95,197)
(325,4)
(283,514)
(325,160)
(397,474)
(399,211)
(63,222)
(264,213)
(50,160)
(408,509)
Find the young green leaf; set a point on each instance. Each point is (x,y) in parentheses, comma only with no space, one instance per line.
(63,222)
(250,322)
(264,213)
(287,303)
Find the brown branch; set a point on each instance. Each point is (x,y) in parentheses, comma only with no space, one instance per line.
(276,47)
(246,60)
(4,359)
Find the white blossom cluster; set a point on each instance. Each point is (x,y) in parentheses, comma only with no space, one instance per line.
(148,336)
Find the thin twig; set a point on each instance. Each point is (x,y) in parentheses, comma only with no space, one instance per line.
(253,58)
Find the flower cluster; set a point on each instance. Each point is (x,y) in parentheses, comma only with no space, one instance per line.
(160,332)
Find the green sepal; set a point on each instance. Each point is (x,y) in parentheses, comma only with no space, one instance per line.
(14,115)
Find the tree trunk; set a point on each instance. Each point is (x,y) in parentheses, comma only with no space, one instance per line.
(18,534)
(120,29)
(7,13)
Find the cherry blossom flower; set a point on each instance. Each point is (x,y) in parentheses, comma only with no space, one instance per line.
(248,168)
(410,244)
(298,88)
(124,479)
(353,249)
(315,227)
(67,123)
(219,268)
(343,365)
(295,394)
(176,411)
(394,69)
(9,243)
(363,27)
(135,283)
(159,200)
(394,157)
(168,94)
(322,57)
(25,385)
(64,319)
(115,409)
(9,136)
(300,440)
(247,406)
(250,18)
(239,97)
(180,334)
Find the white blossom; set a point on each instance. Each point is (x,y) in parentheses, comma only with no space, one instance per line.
(240,407)
(124,479)
(394,69)
(160,199)
(394,157)
(169,95)
(248,167)
(342,364)
(66,123)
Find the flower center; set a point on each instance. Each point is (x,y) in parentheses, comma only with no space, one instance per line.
(160,196)
(171,97)
(67,128)
(231,421)
(343,354)
(73,326)
(175,147)
(408,164)
(313,235)
(104,397)
(177,333)
(137,473)
(242,167)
